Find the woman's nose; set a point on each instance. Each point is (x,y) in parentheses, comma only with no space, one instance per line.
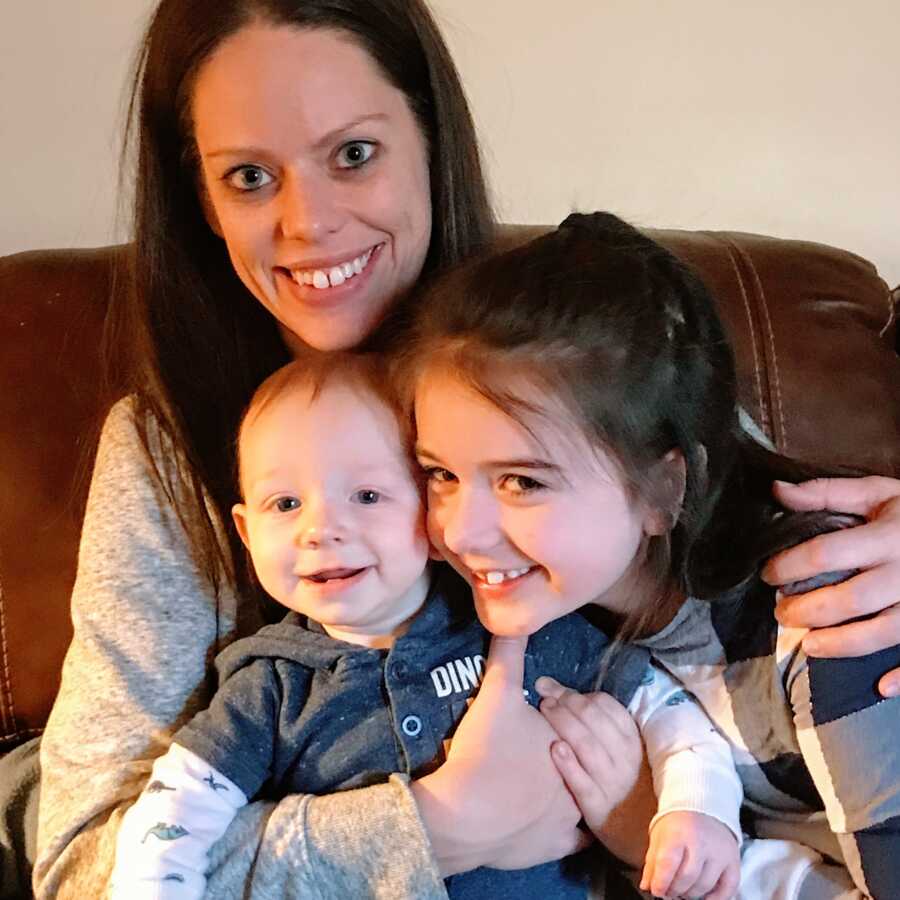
(467,522)
(310,207)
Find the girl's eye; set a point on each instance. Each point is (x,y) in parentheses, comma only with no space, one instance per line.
(248,178)
(437,475)
(520,484)
(287,504)
(367,497)
(355,154)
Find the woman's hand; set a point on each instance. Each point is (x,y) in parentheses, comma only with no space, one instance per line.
(873,548)
(601,758)
(498,800)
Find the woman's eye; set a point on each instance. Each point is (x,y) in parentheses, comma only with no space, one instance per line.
(287,504)
(367,497)
(520,484)
(355,154)
(248,178)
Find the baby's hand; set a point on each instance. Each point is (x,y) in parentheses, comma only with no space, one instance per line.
(691,855)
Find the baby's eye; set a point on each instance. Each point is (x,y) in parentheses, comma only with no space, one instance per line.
(367,497)
(248,178)
(355,154)
(520,484)
(287,504)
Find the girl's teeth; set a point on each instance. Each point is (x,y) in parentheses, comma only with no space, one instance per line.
(335,276)
(499,577)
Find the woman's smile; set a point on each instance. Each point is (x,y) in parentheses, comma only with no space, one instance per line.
(332,283)
(330,273)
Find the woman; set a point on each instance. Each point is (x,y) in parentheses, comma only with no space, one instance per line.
(300,167)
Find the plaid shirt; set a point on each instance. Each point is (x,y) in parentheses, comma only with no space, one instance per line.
(816,747)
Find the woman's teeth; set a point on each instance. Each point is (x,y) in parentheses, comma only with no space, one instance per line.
(498,577)
(335,276)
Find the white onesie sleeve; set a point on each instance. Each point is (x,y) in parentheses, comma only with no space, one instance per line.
(693,769)
(163,844)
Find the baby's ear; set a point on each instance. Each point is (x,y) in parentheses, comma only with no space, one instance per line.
(667,495)
(239,517)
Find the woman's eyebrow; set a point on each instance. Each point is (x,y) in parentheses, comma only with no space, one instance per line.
(326,139)
(335,133)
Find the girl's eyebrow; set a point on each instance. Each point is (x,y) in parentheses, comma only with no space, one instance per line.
(419,450)
(524,463)
(515,463)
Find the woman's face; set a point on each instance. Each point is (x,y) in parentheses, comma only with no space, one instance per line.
(316,177)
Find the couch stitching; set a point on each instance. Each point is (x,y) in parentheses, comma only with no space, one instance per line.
(9,741)
(763,408)
(776,378)
(8,708)
(893,301)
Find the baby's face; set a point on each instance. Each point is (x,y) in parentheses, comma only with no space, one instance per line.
(536,520)
(332,515)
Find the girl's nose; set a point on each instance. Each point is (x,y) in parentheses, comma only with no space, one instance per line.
(310,208)
(468,522)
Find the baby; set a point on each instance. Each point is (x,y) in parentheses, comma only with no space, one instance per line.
(372,668)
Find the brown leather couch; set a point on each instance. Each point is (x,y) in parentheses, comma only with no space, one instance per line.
(813,328)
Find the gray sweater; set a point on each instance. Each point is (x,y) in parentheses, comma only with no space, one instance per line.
(147,626)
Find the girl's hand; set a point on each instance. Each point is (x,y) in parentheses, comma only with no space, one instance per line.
(873,548)
(498,800)
(600,755)
(691,855)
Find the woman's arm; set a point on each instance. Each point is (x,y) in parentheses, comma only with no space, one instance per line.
(873,594)
(848,737)
(146,627)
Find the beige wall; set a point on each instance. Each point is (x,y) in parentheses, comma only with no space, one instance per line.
(776,117)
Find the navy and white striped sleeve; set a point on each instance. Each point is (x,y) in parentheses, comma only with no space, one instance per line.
(850,739)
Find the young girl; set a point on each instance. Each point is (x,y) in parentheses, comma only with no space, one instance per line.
(577,421)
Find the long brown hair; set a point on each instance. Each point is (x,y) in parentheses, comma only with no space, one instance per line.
(198,343)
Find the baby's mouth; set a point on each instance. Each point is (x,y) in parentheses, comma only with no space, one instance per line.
(327,575)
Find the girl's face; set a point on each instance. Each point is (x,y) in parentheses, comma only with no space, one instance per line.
(538,524)
(315,174)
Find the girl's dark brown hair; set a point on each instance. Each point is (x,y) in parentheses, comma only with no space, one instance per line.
(198,343)
(602,318)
